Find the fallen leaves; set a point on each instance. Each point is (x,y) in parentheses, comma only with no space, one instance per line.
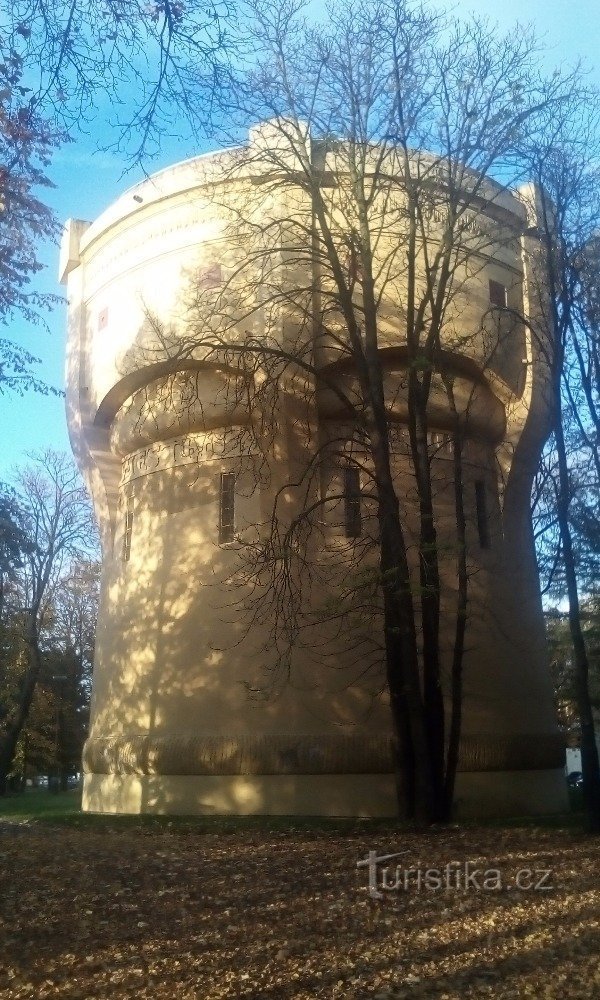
(201,916)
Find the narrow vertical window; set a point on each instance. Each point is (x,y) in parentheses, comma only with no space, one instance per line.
(128,528)
(498,296)
(352,518)
(482,515)
(227,507)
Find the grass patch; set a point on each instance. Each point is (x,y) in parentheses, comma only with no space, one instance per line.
(39,803)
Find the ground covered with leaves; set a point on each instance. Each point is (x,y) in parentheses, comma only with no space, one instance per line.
(281,910)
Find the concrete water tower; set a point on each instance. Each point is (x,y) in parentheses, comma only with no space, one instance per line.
(173,728)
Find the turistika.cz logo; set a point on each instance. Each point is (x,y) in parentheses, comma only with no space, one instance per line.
(457,876)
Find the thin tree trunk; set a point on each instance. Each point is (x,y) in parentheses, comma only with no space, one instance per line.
(590,765)
(456,686)
(402,659)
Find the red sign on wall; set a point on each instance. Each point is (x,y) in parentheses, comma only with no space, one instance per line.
(210,276)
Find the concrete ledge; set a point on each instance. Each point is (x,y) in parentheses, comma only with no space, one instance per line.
(510,793)
(242,795)
(503,793)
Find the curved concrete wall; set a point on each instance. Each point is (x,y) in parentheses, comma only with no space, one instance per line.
(154,426)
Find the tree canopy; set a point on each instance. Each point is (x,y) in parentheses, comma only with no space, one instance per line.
(49,593)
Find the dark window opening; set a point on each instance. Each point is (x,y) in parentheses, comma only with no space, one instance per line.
(227,507)
(128,528)
(352,518)
(482,515)
(498,296)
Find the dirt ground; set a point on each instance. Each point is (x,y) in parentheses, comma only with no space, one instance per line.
(172,912)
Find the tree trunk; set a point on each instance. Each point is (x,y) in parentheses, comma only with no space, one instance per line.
(456,692)
(406,703)
(13,725)
(402,664)
(590,764)
(429,580)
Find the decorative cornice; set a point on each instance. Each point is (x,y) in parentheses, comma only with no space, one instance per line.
(304,754)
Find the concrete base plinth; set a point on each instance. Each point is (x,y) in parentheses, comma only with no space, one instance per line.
(481,794)
(490,793)
(242,795)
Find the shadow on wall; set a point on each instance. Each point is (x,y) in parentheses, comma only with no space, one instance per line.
(175,658)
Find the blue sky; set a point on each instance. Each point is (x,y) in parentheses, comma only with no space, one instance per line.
(88,180)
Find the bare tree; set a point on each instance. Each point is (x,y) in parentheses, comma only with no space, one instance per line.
(159,61)
(55,515)
(565,167)
(375,217)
